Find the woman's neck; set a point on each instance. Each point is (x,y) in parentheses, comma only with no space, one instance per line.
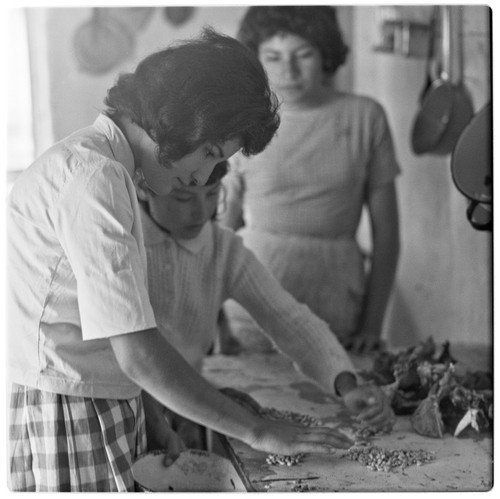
(313,102)
(142,145)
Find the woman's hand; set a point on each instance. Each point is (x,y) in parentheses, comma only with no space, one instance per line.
(365,341)
(159,433)
(371,406)
(173,444)
(163,437)
(282,437)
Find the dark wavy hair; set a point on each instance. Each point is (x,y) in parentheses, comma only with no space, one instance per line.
(210,88)
(317,24)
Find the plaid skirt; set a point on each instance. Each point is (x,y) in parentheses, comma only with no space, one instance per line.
(61,443)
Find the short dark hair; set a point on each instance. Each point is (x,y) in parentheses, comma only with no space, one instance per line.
(207,89)
(317,24)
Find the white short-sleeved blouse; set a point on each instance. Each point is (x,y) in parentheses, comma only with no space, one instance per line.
(77,265)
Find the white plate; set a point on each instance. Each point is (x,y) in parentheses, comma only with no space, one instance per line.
(193,471)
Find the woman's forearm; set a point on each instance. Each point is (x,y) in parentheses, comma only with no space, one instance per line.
(380,282)
(161,371)
(384,217)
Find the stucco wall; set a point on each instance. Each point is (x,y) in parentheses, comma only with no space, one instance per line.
(444,282)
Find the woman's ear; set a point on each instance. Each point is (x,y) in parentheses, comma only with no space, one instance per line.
(140,187)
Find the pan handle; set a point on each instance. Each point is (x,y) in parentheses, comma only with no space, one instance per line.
(445,42)
(430,62)
(480,216)
(460,45)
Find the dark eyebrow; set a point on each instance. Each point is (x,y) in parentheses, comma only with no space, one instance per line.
(303,46)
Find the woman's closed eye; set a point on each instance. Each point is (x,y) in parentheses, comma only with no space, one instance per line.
(305,54)
(272,58)
(183,199)
(214,152)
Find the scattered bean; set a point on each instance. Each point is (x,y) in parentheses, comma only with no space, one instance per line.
(362,432)
(300,486)
(283,460)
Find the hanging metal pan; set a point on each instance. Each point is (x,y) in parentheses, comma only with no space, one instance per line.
(446,108)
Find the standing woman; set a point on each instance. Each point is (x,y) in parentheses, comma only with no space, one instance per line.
(301,199)
(83,340)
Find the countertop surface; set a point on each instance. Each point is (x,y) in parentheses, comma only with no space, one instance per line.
(459,465)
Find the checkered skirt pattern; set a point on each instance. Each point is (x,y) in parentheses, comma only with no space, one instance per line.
(61,443)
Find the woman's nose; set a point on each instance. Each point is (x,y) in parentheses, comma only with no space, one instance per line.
(290,67)
(200,177)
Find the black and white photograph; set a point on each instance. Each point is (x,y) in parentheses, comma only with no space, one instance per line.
(248,247)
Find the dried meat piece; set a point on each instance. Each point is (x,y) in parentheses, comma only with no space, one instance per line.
(427,420)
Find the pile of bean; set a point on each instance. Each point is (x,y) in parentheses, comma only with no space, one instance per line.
(380,459)
(284,460)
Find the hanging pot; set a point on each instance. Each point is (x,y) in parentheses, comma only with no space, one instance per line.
(446,108)
(102,42)
(472,168)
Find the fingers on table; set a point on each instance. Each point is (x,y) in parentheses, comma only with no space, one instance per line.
(324,440)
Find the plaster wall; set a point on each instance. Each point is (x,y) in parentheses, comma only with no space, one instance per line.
(444,281)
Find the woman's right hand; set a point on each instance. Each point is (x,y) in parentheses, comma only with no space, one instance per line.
(285,438)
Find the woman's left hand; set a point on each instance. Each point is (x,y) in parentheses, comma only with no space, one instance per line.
(371,406)
(159,432)
(364,342)
(165,438)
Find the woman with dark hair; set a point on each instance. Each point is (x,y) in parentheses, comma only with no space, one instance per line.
(83,340)
(301,199)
